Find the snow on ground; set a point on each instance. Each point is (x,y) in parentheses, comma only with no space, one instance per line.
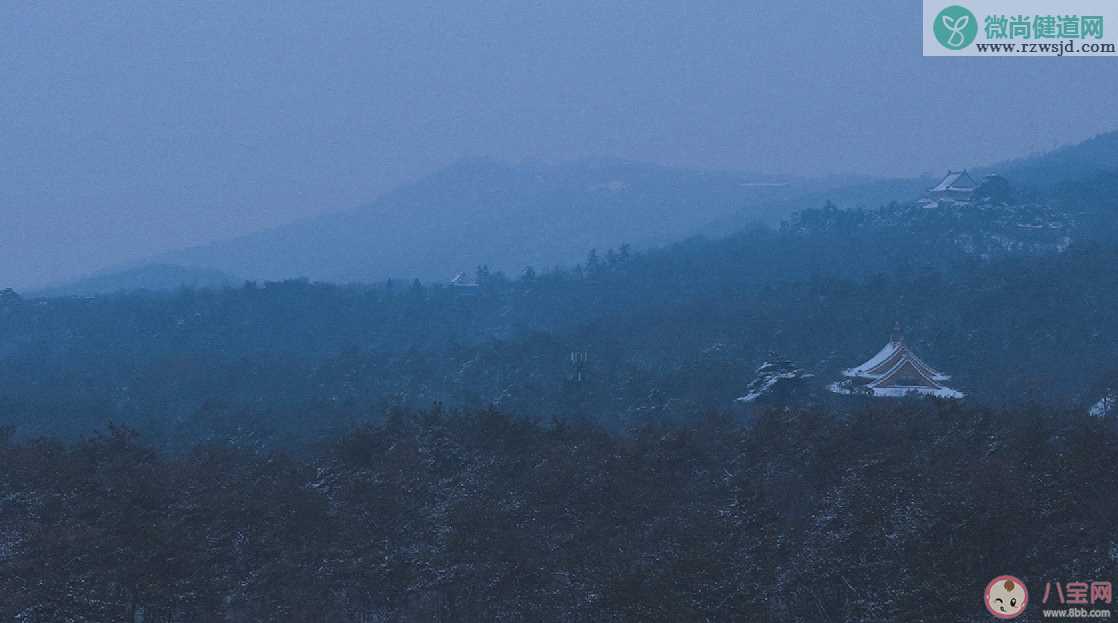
(841,387)
(768,375)
(1103,407)
(846,388)
(766,386)
(900,392)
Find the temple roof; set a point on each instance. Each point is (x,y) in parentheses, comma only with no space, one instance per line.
(888,357)
(895,371)
(460,281)
(907,378)
(955,180)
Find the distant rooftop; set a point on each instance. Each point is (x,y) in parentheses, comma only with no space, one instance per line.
(959,181)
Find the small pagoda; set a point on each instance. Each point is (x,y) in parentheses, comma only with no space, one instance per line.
(895,371)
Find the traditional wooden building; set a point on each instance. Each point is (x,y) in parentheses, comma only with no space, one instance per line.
(893,372)
(955,186)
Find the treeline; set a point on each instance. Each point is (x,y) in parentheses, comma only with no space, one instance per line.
(666,333)
(1011,332)
(898,512)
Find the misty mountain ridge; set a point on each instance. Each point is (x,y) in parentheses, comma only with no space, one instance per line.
(481,212)
(154,277)
(865,194)
(993,291)
(1098,154)
(1039,172)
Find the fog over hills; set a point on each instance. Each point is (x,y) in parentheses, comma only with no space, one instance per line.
(151,277)
(655,312)
(1083,160)
(1098,154)
(481,212)
(509,217)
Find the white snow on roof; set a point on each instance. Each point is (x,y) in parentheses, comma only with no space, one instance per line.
(947,181)
(955,180)
(866,370)
(874,361)
(895,355)
(461,282)
(935,375)
(932,389)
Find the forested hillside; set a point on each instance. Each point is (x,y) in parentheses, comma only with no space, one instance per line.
(886,515)
(1001,296)
(567,444)
(553,312)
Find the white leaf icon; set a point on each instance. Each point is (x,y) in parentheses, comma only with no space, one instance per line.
(955,26)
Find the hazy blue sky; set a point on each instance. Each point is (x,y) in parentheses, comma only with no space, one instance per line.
(138,127)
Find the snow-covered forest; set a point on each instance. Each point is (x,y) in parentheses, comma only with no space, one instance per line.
(480,516)
(572,312)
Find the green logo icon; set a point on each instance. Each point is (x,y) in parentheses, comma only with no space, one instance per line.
(955,27)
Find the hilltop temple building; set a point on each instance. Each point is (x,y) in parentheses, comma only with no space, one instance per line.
(895,371)
(955,186)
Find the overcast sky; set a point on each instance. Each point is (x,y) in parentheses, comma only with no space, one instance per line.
(134,128)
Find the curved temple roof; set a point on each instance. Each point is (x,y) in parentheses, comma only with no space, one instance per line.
(897,371)
(887,358)
(955,180)
(906,378)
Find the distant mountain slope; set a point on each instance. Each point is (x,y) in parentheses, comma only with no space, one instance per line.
(867,194)
(152,277)
(508,217)
(1081,161)
(1073,162)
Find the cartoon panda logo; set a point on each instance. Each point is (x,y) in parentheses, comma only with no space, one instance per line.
(1006,597)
